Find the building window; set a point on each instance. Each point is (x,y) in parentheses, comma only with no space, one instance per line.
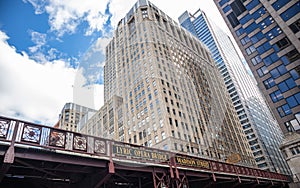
(295,27)
(245,19)
(292,56)
(156,139)
(273,33)
(295,150)
(281,44)
(256,60)
(226,9)
(269,83)
(290,12)
(284,110)
(170,121)
(262,71)
(278,4)
(270,59)
(295,72)
(165,147)
(233,20)
(250,50)
(276,96)
(266,22)
(286,85)
(251,27)
(161,123)
(238,7)
(134,139)
(257,37)
(245,40)
(278,71)
(264,47)
(259,13)
(144,13)
(252,4)
(173,133)
(163,135)
(222,2)
(293,100)
(262,165)
(239,32)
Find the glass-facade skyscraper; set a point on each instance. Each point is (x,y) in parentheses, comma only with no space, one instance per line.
(267,33)
(262,130)
(173,96)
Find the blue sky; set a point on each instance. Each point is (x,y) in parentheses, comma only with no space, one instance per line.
(50,47)
(27,28)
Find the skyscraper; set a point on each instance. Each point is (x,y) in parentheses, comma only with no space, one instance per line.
(267,33)
(262,130)
(173,96)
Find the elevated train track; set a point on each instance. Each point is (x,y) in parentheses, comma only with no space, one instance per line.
(39,156)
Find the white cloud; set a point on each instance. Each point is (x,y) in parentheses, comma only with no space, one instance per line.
(38,38)
(30,90)
(40,51)
(39,5)
(66,15)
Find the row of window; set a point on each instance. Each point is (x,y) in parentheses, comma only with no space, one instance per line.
(270,59)
(278,71)
(294,124)
(283,86)
(295,150)
(295,27)
(287,85)
(262,71)
(290,12)
(292,101)
(281,44)
(279,4)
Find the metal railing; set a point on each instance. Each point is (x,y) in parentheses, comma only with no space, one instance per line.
(15,133)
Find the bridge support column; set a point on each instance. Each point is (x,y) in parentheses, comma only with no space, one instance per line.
(111,171)
(160,180)
(182,182)
(9,156)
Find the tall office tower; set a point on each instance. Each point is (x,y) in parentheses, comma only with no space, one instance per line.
(268,34)
(70,116)
(262,130)
(173,95)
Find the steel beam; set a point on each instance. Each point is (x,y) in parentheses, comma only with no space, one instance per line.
(37,169)
(103,180)
(4,169)
(44,155)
